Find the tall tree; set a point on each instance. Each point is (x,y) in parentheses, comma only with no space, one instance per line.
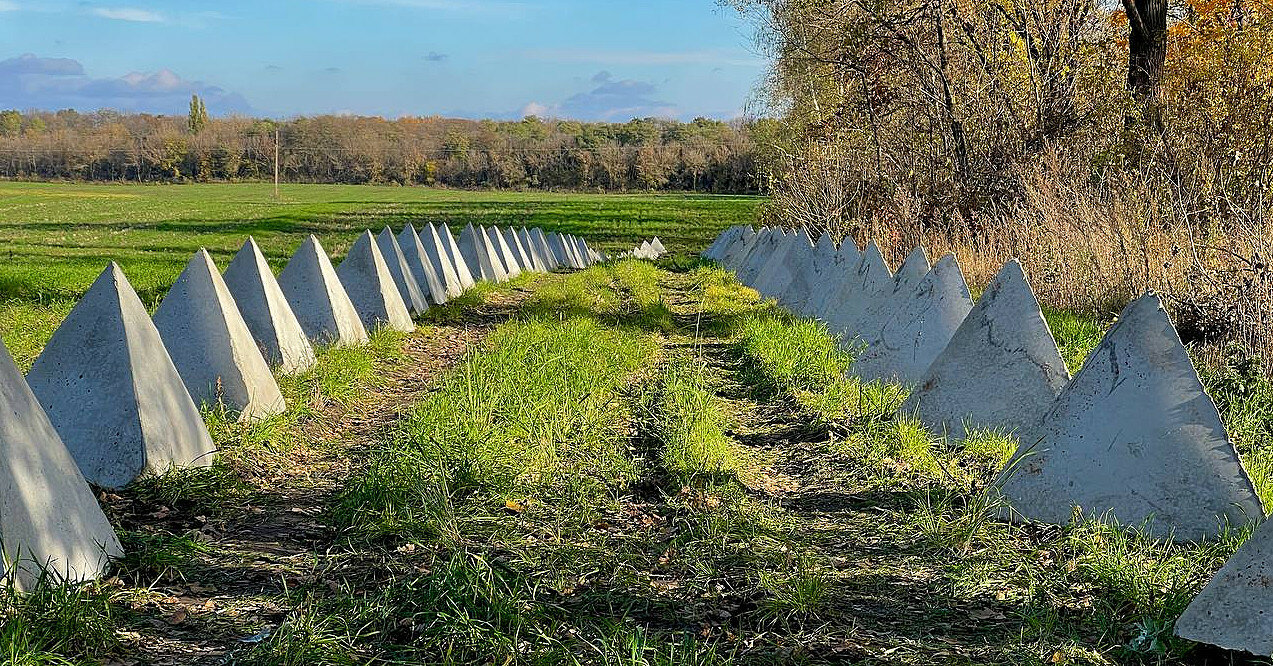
(1147,47)
(198,118)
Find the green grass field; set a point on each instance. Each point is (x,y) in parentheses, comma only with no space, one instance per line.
(57,237)
(635,464)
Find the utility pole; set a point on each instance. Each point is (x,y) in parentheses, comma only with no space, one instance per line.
(276,135)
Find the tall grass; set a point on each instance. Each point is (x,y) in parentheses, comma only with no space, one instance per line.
(689,424)
(539,411)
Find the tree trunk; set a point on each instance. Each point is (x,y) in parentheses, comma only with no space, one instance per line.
(1147,47)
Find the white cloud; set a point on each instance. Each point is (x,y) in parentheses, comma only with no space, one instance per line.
(610,100)
(607,57)
(128,14)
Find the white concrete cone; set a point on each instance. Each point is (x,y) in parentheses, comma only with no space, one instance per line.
(409,289)
(266,312)
(111,391)
(1001,371)
(318,299)
(371,288)
(1136,438)
(49,518)
(211,345)
(920,329)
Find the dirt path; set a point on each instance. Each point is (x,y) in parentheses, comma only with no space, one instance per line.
(239,564)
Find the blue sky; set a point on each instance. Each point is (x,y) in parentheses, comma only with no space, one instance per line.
(584,59)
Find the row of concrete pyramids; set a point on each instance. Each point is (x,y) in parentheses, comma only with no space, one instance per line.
(1132,436)
(114,393)
(651,250)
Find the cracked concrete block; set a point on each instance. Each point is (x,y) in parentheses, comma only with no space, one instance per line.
(268,315)
(1135,437)
(112,393)
(879,312)
(870,282)
(318,299)
(1001,371)
(211,345)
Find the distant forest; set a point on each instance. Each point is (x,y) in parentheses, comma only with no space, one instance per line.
(643,154)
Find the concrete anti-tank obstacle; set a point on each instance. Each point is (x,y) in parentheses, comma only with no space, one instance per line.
(777,271)
(266,311)
(49,519)
(366,278)
(792,283)
(572,250)
(403,277)
(869,282)
(560,250)
(515,244)
(436,279)
(920,329)
(767,241)
(1232,611)
(658,247)
(835,279)
(476,248)
(426,254)
(211,345)
(463,269)
(813,276)
(731,257)
(537,259)
(541,241)
(723,238)
(503,252)
(1001,370)
(878,313)
(111,391)
(318,299)
(1133,436)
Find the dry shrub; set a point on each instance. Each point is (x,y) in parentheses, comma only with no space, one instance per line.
(1094,247)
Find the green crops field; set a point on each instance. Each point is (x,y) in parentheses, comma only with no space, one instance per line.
(57,237)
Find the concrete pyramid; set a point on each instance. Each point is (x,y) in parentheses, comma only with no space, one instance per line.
(731,257)
(266,312)
(403,277)
(920,328)
(880,312)
(475,246)
(1134,435)
(427,256)
(211,345)
(572,252)
(779,269)
(111,391)
(1232,610)
(519,252)
(505,253)
(558,244)
(811,275)
(1003,349)
(870,282)
(369,283)
(537,260)
(463,269)
(658,246)
(767,242)
(725,237)
(834,279)
(48,515)
(320,301)
(421,267)
(541,241)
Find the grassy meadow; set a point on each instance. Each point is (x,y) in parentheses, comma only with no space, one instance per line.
(635,464)
(57,237)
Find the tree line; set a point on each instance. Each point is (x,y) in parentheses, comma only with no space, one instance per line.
(644,154)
